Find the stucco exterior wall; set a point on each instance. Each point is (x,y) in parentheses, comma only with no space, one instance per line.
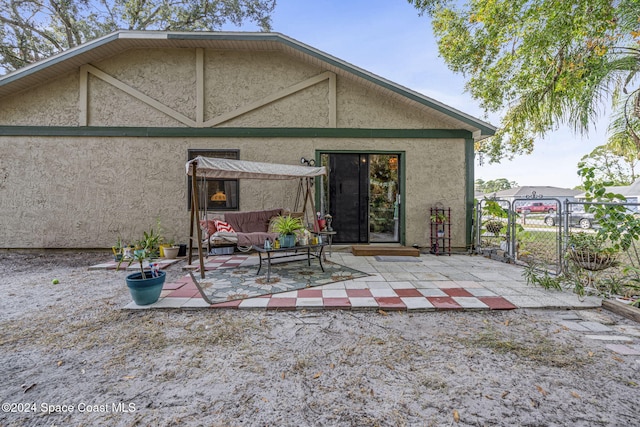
(231,80)
(85,192)
(361,106)
(51,104)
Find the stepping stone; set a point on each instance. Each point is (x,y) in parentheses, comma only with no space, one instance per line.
(595,327)
(623,349)
(596,316)
(609,338)
(571,316)
(574,326)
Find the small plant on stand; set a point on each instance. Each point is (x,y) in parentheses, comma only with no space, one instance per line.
(438,218)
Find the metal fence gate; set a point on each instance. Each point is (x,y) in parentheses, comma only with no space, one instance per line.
(521,230)
(534,229)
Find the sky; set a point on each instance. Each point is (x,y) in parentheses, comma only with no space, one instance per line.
(390,39)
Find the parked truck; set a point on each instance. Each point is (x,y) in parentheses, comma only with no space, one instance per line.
(537,207)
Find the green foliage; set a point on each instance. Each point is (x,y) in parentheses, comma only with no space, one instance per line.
(619,226)
(494,214)
(539,63)
(146,248)
(493,209)
(534,275)
(287,225)
(588,242)
(494,185)
(438,217)
(609,166)
(31,30)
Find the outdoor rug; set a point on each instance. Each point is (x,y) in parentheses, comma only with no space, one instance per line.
(229,284)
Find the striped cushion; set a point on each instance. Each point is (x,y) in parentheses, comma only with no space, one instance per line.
(223,226)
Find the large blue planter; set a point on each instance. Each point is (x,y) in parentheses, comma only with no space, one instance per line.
(145,291)
(287,240)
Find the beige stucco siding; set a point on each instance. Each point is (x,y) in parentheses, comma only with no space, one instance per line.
(231,80)
(361,106)
(287,112)
(108,105)
(85,192)
(51,104)
(234,79)
(167,75)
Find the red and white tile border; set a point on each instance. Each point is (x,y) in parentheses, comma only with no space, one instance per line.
(431,285)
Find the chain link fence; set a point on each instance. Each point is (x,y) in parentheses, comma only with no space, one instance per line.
(534,229)
(589,247)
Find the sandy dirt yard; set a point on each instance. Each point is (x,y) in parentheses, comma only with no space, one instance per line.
(70,356)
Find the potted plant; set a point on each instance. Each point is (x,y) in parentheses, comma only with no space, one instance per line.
(118,249)
(589,251)
(151,242)
(287,226)
(438,218)
(171,250)
(145,286)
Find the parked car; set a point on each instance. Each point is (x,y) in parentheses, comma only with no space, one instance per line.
(580,219)
(537,207)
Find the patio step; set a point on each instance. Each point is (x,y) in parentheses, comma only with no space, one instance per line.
(373,250)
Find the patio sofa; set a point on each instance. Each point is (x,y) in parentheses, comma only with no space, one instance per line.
(240,228)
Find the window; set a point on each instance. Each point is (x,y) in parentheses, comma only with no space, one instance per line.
(216,194)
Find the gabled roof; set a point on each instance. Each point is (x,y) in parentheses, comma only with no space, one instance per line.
(540,191)
(118,42)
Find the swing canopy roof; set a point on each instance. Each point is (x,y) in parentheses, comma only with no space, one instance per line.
(210,167)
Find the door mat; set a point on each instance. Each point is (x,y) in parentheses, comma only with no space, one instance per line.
(241,282)
(394,258)
(373,250)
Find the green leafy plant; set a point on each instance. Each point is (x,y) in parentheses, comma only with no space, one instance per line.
(118,248)
(146,248)
(618,224)
(493,209)
(496,216)
(590,251)
(438,217)
(151,242)
(535,275)
(287,225)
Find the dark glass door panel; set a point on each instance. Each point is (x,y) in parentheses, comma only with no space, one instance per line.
(348,196)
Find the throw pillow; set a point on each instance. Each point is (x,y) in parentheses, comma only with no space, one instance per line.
(208,226)
(223,226)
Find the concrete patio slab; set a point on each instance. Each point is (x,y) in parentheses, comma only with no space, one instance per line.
(457,282)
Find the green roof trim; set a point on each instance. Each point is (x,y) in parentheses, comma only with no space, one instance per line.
(230,132)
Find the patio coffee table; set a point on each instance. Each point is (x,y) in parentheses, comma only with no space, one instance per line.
(280,253)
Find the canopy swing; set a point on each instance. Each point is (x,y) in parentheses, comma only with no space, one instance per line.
(208,167)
